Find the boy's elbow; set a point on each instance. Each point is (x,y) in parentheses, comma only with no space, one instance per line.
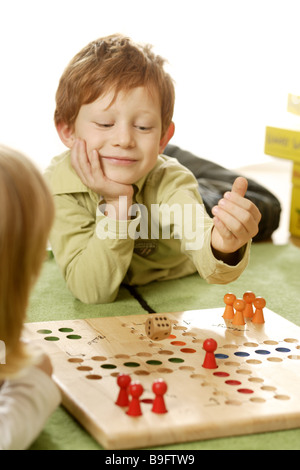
(88,294)
(93,298)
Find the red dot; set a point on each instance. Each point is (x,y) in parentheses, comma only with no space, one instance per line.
(233,382)
(221,374)
(245,390)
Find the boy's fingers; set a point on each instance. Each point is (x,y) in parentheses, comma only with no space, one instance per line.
(95,160)
(240,186)
(80,161)
(75,157)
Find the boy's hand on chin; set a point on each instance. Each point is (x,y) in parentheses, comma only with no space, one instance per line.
(89,170)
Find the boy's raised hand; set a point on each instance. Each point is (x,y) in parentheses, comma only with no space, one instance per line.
(89,170)
(235,219)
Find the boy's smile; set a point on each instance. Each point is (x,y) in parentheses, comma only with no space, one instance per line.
(126,133)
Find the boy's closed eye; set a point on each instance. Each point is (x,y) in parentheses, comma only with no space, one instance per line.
(109,125)
(144,128)
(103,125)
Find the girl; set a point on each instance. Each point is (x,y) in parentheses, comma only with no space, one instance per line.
(27,394)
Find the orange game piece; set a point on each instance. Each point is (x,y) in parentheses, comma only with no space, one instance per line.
(239,306)
(210,345)
(229,312)
(259,304)
(159,387)
(249,298)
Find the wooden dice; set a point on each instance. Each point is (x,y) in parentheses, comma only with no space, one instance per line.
(157,327)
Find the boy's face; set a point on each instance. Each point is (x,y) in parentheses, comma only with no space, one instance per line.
(126,134)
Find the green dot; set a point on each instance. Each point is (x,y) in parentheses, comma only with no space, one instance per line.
(131,364)
(108,366)
(152,362)
(44,332)
(175,359)
(65,330)
(73,336)
(51,338)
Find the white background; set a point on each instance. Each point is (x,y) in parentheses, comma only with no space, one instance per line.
(234,63)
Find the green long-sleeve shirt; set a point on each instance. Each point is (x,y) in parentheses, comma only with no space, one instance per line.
(96,254)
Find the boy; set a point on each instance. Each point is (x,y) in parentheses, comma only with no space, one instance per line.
(116,194)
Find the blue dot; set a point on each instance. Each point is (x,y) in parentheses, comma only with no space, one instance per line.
(262,351)
(221,356)
(282,349)
(241,354)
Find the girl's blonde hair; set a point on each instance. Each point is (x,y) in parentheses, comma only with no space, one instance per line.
(26,216)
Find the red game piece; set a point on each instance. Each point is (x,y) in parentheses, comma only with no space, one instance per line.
(258,317)
(239,306)
(135,390)
(210,345)
(159,387)
(123,381)
(249,298)
(229,312)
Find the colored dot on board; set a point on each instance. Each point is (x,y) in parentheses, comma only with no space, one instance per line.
(241,354)
(221,374)
(262,351)
(153,362)
(233,382)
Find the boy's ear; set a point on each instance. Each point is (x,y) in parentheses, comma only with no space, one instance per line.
(167,137)
(66,134)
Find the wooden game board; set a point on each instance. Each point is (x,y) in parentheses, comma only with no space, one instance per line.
(255,388)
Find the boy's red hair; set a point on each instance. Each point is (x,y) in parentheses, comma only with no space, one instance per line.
(112,63)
